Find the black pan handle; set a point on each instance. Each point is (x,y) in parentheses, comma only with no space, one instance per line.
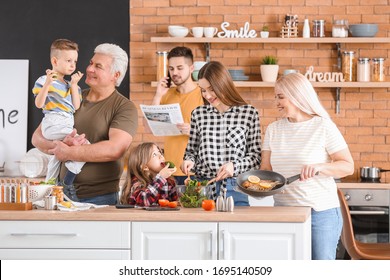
(383,170)
(291,179)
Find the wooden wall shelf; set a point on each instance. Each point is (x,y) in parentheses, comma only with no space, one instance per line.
(315,84)
(277,40)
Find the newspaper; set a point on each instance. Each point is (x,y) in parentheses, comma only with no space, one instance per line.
(162,119)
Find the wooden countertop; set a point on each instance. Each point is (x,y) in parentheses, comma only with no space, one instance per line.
(240,214)
(358,185)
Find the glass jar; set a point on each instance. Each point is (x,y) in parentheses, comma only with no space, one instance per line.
(340,28)
(319,28)
(58,192)
(348,66)
(363,69)
(162,64)
(378,70)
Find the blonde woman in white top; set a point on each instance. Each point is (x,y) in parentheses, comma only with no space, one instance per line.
(306,141)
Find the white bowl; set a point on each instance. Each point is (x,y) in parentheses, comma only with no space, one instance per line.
(199,64)
(177,31)
(34,164)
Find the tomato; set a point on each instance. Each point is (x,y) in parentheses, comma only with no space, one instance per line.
(163,202)
(208,204)
(172,204)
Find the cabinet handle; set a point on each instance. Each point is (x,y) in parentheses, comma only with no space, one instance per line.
(225,246)
(44,234)
(369,212)
(211,245)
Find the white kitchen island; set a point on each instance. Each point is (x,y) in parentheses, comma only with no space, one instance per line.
(269,233)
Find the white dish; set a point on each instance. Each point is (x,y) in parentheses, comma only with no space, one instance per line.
(240,78)
(177,31)
(34,164)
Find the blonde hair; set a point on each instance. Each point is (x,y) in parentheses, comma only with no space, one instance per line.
(298,89)
(138,159)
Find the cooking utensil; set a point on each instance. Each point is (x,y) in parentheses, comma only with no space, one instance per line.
(265,175)
(367,172)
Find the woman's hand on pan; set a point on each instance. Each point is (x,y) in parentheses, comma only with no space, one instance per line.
(309,171)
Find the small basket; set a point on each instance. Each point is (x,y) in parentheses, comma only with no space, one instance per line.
(38,192)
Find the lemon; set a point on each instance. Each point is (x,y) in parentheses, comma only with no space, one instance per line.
(67,204)
(253,179)
(265,185)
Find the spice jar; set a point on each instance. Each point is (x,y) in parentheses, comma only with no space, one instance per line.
(58,192)
(340,28)
(378,69)
(348,66)
(319,28)
(162,64)
(363,69)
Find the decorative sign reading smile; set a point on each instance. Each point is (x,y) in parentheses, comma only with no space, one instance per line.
(323,77)
(244,32)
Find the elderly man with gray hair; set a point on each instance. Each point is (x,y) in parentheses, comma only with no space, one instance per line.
(108,120)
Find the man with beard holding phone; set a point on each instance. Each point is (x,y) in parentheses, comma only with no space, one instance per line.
(187,93)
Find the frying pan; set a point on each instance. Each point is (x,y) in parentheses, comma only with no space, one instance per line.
(265,175)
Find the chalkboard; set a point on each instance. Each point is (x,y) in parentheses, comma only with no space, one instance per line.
(27,29)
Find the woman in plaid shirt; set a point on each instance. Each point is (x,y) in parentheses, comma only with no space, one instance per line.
(148,177)
(225,134)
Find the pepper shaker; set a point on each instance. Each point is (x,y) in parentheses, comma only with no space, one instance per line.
(229,205)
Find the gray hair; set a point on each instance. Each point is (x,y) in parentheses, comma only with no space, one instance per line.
(120,59)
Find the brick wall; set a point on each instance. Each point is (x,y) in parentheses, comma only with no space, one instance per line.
(365,115)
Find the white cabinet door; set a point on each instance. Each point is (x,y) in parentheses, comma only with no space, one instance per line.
(264,241)
(174,241)
(64,254)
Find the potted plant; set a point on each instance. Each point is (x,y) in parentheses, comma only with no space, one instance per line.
(269,68)
(264,33)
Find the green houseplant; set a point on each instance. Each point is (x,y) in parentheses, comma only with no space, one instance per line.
(269,68)
(264,33)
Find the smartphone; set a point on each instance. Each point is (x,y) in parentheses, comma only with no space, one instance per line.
(169,81)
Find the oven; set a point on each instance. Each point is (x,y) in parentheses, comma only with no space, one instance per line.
(369,208)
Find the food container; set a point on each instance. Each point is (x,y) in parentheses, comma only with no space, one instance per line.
(340,28)
(378,70)
(363,69)
(318,28)
(348,66)
(58,192)
(162,64)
